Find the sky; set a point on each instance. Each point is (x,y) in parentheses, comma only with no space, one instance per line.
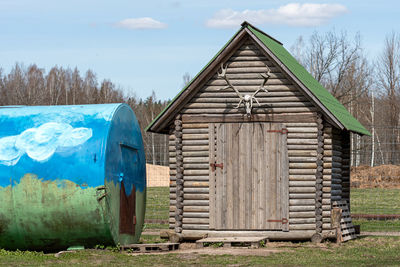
(143,46)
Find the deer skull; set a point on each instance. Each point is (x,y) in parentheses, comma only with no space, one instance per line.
(246,99)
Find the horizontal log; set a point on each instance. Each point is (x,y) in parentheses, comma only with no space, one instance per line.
(302,129)
(301,227)
(196,160)
(195,131)
(194,125)
(254,118)
(271,81)
(308,208)
(248,64)
(256,110)
(238,76)
(262,69)
(194,142)
(195,220)
(247,58)
(234,99)
(302,153)
(195,190)
(196,166)
(196,178)
(302,135)
(196,196)
(301,125)
(301,202)
(301,196)
(293,141)
(264,103)
(196,208)
(196,215)
(231,94)
(195,136)
(302,189)
(196,153)
(301,221)
(195,172)
(302,177)
(301,171)
(302,166)
(187,226)
(295,184)
(302,159)
(271,235)
(195,184)
(194,148)
(195,202)
(303,214)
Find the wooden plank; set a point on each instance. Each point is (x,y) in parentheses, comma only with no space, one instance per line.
(229,177)
(284,176)
(243,137)
(211,131)
(254,189)
(235,174)
(220,176)
(248,161)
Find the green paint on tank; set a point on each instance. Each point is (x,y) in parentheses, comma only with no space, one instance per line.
(53,215)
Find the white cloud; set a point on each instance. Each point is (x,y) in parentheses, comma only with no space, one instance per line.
(141,23)
(42,142)
(293,14)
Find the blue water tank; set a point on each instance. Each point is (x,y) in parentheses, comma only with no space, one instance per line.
(70,176)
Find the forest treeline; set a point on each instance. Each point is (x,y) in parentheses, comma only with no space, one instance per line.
(32,85)
(368,87)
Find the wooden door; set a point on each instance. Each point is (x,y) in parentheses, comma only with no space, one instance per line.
(248,176)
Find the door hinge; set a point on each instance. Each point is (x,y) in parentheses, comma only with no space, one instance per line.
(283,221)
(282,131)
(216,165)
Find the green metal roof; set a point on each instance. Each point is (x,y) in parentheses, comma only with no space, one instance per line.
(323,95)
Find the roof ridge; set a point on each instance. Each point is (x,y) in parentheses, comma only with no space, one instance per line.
(246,24)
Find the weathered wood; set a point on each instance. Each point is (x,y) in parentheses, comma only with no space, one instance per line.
(260,110)
(179,194)
(305,117)
(318,180)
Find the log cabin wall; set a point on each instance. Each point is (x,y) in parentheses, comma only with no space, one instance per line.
(345,138)
(283,103)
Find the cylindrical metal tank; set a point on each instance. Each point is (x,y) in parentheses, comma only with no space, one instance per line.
(70,176)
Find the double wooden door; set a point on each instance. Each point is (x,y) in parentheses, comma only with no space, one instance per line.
(248,176)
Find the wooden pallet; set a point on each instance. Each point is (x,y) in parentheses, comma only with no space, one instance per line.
(253,242)
(155,247)
(346,224)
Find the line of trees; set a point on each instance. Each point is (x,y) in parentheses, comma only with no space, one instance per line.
(369,88)
(64,86)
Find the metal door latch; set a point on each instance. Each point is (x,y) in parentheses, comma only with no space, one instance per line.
(216,165)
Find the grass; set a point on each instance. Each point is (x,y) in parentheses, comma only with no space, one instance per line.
(363,201)
(157,207)
(379,251)
(376,201)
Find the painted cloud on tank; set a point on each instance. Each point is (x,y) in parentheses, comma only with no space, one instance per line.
(42,142)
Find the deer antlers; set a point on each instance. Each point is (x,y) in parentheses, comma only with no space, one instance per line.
(246,99)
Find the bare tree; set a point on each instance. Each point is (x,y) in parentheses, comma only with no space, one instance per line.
(389,79)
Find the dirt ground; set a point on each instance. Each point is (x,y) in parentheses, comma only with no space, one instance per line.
(384,176)
(189,250)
